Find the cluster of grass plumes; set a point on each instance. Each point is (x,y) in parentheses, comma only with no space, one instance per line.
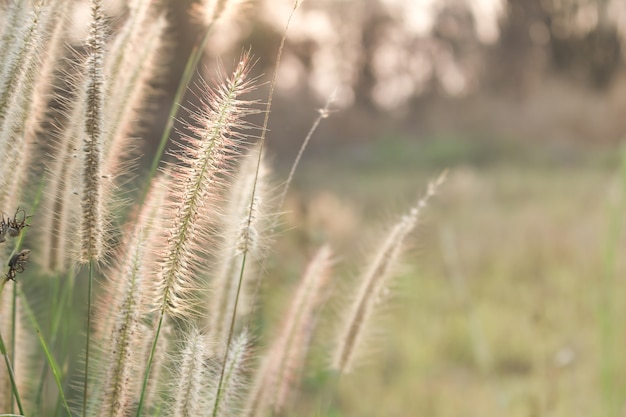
(169,326)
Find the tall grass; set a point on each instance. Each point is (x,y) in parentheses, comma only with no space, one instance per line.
(166,316)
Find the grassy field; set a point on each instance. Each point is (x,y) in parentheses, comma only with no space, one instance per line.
(511,298)
(508,301)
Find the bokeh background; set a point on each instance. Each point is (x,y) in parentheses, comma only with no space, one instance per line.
(511,300)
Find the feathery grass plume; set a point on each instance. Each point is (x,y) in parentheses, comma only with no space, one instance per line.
(92,215)
(236,238)
(15,100)
(351,335)
(127,285)
(121,363)
(152,222)
(210,11)
(197,178)
(92,207)
(13,15)
(60,202)
(121,48)
(143,228)
(190,377)
(285,357)
(54,24)
(225,401)
(19,52)
(129,90)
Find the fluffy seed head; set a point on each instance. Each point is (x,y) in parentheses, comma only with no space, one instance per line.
(286,356)
(225,400)
(372,286)
(205,159)
(91,204)
(190,377)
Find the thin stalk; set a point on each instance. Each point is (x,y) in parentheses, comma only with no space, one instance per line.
(91,262)
(323,113)
(268,107)
(192,63)
(16,394)
(13,332)
(149,365)
(18,246)
(218,396)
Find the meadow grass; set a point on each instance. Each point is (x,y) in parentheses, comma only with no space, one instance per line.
(216,292)
(163,280)
(504,299)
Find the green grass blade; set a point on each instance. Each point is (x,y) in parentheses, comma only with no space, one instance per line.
(149,365)
(58,310)
(56,372)
(3,350)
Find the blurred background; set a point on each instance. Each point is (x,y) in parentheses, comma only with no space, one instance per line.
(548,72)
(511,299)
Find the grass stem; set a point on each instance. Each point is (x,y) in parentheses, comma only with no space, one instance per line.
(149,365)
(13,330)
(60,306)
(323,113)
(7,360)
(86,377)
(252,199)
(51,361)
(230,336)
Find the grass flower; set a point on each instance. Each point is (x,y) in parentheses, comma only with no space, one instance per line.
(372,284)
(285,357)
(92,217)
(190,377)
(238,236)
(167,334)
(197,178)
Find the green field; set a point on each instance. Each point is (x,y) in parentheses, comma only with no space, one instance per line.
(511,296)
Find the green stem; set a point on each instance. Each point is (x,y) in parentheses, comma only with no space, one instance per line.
(268,107)
(13,331)
(192,63)
(3,350)
(86,379)
(266,119)
(11,354)
(58,310)
(149,365)
(231,330)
